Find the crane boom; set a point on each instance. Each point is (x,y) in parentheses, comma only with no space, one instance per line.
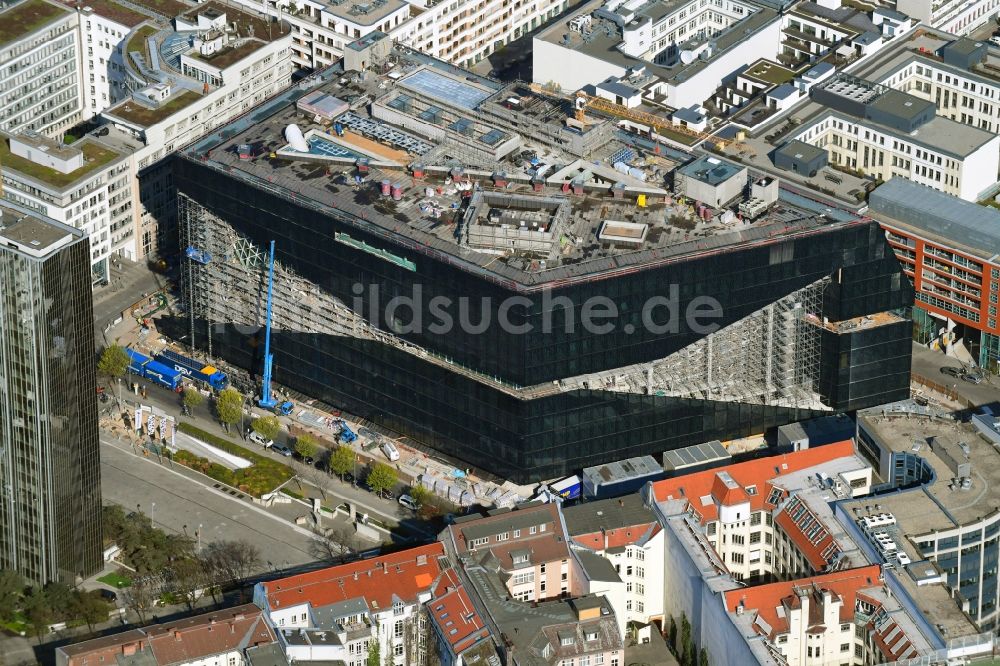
(266,399)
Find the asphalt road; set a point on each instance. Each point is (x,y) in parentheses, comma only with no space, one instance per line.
(928,363)
(182,504)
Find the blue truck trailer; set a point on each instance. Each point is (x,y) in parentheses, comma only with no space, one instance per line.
(147,368)
(194,369)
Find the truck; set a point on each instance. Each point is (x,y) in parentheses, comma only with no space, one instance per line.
(158,373)
(196,370)
(346,434)
(568,488)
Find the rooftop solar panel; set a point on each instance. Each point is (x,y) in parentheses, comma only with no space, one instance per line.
(445,89)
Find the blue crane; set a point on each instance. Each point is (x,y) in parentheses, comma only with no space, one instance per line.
(267,400)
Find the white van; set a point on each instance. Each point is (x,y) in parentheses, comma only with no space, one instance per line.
(257,438)
(389,449)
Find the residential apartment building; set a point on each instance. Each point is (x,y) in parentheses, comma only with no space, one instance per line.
(86,185)
(838,618)
(462,635)
(624,533)
(220,638)
(105,27)
(764,519)
(959,78)
(334,614)
(954,16)
(40,87)
(219,75)
(528,545)
(947,247)
(50,508)
(885,133)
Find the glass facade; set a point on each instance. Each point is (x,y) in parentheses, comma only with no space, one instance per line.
(49,451)
(527,438)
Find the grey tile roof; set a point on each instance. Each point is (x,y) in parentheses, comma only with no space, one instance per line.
(590,517)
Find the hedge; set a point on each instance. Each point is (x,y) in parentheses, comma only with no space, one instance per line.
(262,477)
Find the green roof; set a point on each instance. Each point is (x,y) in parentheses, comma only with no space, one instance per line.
(134,112)
(27,17)
(95,156)
(168,8)
(229,55)
(137,42)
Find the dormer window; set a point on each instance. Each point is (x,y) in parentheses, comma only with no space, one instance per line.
(567,640)
(521,558)
(591,635)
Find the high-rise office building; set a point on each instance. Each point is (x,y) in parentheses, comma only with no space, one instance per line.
(50,490)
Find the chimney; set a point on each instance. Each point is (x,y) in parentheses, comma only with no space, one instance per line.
(177,635)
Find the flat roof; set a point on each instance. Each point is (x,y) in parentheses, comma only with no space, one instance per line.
(940,134)
(115,12)
(417,224)
(166,8)
(800,150)
(95,155)
(26,17)
(228,55)
(34,233)
(939,216)
(710,169)
(445,88)
(605,47)
(934,507)
(769,72)
(144,116)
(364,13)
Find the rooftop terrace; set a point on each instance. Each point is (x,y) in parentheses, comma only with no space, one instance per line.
(95,156)
(112,10)
(144,116)
(26,17)
(593,188)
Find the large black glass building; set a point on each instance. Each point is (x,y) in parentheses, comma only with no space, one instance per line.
(804,323)
(50,508)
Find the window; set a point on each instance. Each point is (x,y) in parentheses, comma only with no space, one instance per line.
(520,558)
(585,660)
(567,640)
(590,635)
(397,650)
(478,542)
(517,534)
(503,536)
(640,572)
(844,647)
(397,629)
(532,530)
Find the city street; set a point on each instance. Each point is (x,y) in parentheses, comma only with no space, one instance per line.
(179,504)
(928,363)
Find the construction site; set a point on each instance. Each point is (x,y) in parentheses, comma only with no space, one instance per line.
(408,173)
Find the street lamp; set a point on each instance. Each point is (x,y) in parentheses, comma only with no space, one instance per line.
(152,513)
(199,537)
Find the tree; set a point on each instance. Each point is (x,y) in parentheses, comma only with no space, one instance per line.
(686,648)
(421,495)
(90,607)
(266,426)
(193,398)
(229,406)
(306,446)
(341,461)
(139,597)
(59,598)
(188,577)
(38,612)
(703,658)
(381,477)
(337,545)
(234,560)
(113,362)
(672,636)
(373,654)
(11,589)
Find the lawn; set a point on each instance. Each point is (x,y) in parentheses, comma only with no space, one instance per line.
(145,116)
(115,580)
(137,42)
(27,17)
(95,157)
(19,625)
(260,478)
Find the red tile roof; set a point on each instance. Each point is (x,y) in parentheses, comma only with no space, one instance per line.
(759,473)
(890,640)
(766,599)
(456,618)
(403,575)
(618,538)
(191,639)
(821,548)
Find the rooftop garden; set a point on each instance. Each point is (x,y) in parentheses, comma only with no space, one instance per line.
(26,17)
(94,154)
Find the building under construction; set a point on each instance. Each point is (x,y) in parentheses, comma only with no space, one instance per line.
(506,220)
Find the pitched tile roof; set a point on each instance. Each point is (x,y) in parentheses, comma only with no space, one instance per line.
(183,641)
(712,483)
(766,600)
(452,611)
(808,533)
(622,521)
(401,575)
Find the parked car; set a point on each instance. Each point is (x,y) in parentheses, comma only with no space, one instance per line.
(409,502)
(951,371)
(308,460)
(108,595)
(257,438)
(282,449)
(973,378)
